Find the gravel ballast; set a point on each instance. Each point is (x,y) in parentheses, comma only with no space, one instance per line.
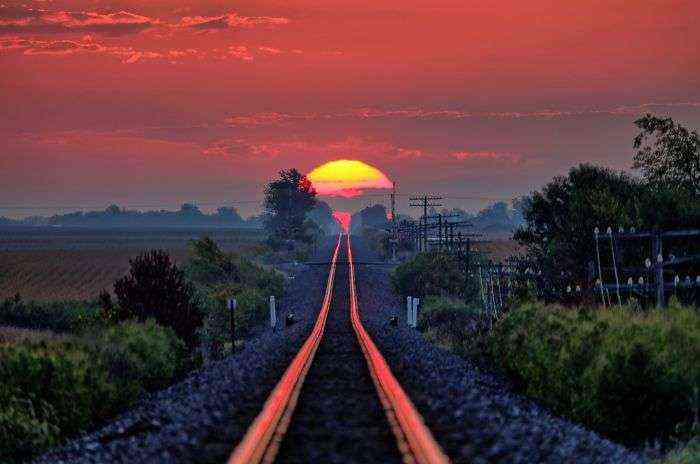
(472,413)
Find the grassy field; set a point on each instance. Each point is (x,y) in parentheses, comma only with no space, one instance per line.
(74,263)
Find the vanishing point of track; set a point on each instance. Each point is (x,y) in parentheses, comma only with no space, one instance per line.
(338,386)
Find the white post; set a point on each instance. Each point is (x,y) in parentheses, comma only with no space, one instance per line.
(414,316)
(409,310)
(273,312)
(232,331)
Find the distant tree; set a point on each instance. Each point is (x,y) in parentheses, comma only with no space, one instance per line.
(370,216)
(288,199)
(113,210)
(322,215)
(229,214)
(189,209)
(668,153)
(156,289)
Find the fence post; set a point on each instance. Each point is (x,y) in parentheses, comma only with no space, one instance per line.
(273,312)
(414,313)
(232,312)
(657,253)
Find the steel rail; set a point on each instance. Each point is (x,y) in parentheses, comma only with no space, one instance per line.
(262,440)
(415,440)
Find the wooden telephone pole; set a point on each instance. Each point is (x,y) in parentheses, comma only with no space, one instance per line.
(394,224)
(424,203)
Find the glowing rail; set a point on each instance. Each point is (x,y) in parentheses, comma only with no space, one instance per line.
(263,438)
(261,441)
(415,440)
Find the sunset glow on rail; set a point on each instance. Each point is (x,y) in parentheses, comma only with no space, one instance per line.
(347,178)
(343,218)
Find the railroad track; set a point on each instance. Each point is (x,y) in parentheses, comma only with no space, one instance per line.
(338,400)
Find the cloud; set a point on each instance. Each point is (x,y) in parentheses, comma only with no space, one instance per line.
(87,45)
(26,20)
(427,114)
(311,150)
(231,21)
(20,20)
(126,54)
(488,156)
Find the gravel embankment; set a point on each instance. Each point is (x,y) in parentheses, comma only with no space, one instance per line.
(472,413)
(200,419)
(339,418)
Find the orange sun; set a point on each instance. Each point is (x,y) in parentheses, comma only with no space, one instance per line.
(347,178)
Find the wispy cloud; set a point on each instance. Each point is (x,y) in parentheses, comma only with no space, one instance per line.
(427,114)
(27,20)
(488,156)
(129,54)
(21,20)
(231,20)
(351,147)
(87,45)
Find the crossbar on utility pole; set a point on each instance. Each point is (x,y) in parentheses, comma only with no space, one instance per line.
(424,204)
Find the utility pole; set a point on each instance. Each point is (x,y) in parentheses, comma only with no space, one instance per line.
(394,224)
(425,199)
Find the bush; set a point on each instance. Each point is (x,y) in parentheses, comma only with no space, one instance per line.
(220,276)
(156,288)
(140,357)
(429,274)
(251,313)
(22,433)
(57,316)
(630,376)
(54,389)
(455,326)
(689,454)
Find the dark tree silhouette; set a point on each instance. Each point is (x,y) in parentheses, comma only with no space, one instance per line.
(668,153)
(157,289)
(288,199)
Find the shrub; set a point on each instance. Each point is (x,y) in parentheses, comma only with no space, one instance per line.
(629,376)
(251,312)
(429,274)
(54,389)
(454,325)
(689,454)
(156,288)
(22,433)
(139,357)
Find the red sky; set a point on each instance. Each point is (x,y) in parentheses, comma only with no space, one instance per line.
(159,102)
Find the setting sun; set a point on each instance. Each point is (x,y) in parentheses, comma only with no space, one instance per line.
(347,178)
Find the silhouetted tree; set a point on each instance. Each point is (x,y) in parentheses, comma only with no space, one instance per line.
(668,153)
(156,289)
(288,199)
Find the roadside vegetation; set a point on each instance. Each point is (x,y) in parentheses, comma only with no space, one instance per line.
(68,366)
(628,371)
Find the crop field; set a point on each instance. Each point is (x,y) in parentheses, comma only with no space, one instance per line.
(56,264)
